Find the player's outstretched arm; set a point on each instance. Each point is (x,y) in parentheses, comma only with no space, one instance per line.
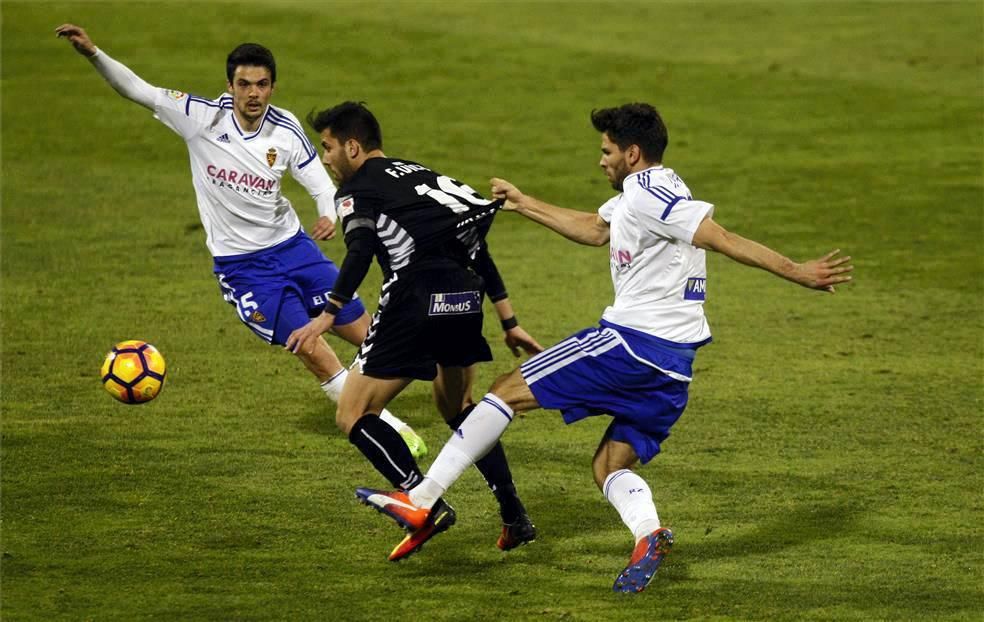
(79,39)
(119,76)
(821,274)
(581,227)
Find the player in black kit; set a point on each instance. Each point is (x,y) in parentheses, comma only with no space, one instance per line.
(427,231)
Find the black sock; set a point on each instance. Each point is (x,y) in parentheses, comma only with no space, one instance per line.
(495,469)
(386,450)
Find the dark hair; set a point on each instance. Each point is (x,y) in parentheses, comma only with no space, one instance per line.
(251,55)
(349,120)
(634,124)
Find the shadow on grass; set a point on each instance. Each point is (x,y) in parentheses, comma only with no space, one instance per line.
(816,584)
(798,526)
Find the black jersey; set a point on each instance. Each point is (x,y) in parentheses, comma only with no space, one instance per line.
(407,215)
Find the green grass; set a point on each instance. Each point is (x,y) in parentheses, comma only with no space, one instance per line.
(828,466)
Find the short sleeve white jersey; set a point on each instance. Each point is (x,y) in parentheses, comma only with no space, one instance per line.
(237,175)
(659,276)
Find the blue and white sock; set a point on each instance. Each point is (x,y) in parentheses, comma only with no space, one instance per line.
(470,442)
(633,500)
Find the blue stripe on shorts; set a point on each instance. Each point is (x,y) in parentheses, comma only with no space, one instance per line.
(600,371)
(279,289)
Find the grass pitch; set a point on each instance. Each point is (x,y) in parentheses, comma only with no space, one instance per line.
(828,466)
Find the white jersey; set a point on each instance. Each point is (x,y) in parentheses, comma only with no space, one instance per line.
(659,276)
(237,175)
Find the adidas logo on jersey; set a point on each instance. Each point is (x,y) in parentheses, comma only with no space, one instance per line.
(223,139)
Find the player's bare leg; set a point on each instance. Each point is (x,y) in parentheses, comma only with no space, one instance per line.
(453,396)
(633,500)
(330,372)
(453,390)
(363,394)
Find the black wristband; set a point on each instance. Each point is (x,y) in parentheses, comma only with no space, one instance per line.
(331,308)
(511,322)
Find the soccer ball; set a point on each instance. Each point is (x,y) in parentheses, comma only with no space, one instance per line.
(133,372)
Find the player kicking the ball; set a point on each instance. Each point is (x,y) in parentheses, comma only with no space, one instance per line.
(240,146)
(427,232)
(635,366)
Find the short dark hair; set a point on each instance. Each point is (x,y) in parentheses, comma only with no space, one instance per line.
(251,55)
(349,120)
(634,124)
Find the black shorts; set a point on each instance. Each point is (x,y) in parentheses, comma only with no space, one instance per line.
(428,317)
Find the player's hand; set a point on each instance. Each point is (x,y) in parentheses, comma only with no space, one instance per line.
(502,189)
(517,338)
(825,272)
(303,340)
(324,229)
(78,38)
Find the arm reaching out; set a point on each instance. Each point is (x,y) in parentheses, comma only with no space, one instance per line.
(581,227)
(78,37)
(119,76)
(821,274)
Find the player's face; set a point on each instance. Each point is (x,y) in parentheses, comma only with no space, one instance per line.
(613,162)
(335,157)
(251,88)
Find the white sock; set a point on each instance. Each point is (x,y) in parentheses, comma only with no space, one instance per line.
(470,442)
(392,420)
(633,500)
(333,386)
(333,389)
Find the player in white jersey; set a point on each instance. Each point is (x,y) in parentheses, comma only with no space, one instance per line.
(636,366)
(240,147)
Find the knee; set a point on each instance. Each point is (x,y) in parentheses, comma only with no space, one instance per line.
(499,383)
(511,388)
(345,418)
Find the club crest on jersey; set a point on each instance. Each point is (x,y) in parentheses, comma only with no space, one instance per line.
(696,289)
(176,95)
(344,206)
(258,317)
(458,303)
(271,156)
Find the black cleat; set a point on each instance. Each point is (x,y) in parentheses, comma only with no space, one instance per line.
(519,532)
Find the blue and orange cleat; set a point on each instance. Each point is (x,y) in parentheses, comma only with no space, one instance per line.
(440,519)
(422,523)
(646,558)
(396,505)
